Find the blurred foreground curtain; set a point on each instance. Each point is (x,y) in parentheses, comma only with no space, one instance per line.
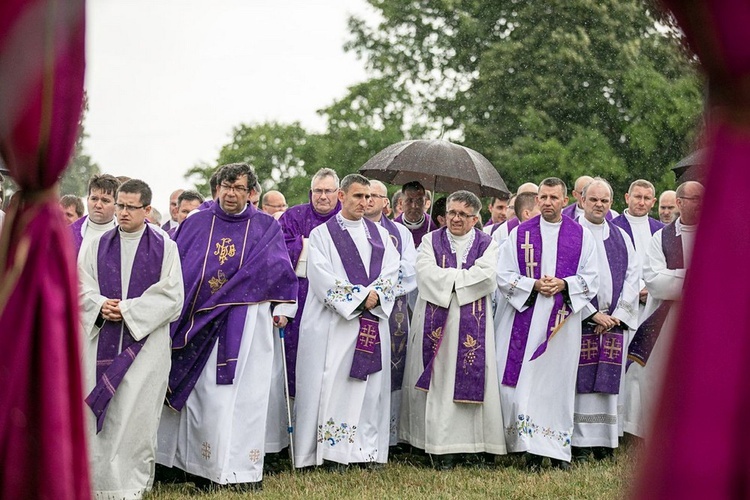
(699,443)
(42,444)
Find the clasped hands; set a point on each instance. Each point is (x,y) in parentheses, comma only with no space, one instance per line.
(372,300)
(604,322)
(111,310)
(549,285)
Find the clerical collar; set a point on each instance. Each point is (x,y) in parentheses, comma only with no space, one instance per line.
(643,219)
(544,221)
(106,225)
(679,227)
(238,213)
(413,225)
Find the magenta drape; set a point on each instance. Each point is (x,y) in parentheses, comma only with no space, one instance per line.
(42,441)
(699,445)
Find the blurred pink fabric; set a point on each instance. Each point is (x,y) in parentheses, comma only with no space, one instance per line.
(699,442)
(42,440)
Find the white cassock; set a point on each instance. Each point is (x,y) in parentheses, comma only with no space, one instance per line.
(91,231)
(431,420)
(407,283)
(339,418)
(643,383)
(596,416)
(538,412)
(122,455)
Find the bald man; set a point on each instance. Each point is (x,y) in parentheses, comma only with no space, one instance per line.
(172,223)
(668,207)
(273,201)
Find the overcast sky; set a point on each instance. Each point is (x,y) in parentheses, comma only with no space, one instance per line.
(167,80)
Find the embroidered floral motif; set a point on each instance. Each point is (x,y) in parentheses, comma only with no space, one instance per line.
(384,286)
(526,427)
(217,281)
(342,225)
(466,249)
(513,287)
(584,285)
(332,434)
(473,345)
(342,291)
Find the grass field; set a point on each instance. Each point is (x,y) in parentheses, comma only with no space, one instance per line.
(403,478)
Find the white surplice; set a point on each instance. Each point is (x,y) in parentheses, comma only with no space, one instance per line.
(596,416)
(643,383)
(431,420)
(538,412)
(122,455)
(91,231)
(337,417)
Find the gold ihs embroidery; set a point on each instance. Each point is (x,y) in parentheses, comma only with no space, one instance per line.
(225,249)
(217,281)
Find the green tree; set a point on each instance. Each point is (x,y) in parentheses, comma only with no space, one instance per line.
(559,88)
(75,180)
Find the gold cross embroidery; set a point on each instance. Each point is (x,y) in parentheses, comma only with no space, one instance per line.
(528,257)
(589,349)
(560,317)
(612,348)
(367,336)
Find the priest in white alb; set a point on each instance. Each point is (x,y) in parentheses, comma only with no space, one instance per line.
(131,289)
(547,273)
(343,380)
(451,404)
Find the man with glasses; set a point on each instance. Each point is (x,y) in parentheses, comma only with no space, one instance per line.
(451,405)
(343,384)
(239,284)
(131,288)
(274,202)
(400,316)
(101,211)
(173,221)
(297,224)
(547,273)
(668,257)
(414,217)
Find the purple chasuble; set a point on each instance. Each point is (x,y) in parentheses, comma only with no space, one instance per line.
(418,233)
(468,386)
(229,261)
(623,222)
(112,363)
(75,229)
(367,355)
(398,321)
(529,248)
(648,332)
(600,362)
(297,223)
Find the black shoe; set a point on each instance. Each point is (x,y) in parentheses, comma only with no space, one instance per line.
(480,460)
(604,453)
(335,466)
(445,462)
(169,475)
(582,454)
(532,462)
(559,464)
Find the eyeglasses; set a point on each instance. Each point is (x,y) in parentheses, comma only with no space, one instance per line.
(461,215)
(691,198)
(283,205)
(236,189)
(321,192)
(379,196)
(127,208)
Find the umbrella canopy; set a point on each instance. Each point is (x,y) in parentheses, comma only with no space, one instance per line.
(690,168)
(439,165)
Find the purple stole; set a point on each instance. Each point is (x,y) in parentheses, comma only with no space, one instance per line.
(228,262)
(623,222)
(570,211)
(600,362)
(648,332)
(398,321)
(367,356)
(111,363)
(418,234)
(469,384)
(75,229)
(569,244)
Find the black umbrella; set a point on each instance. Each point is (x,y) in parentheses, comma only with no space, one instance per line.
(690,168)
(439,165)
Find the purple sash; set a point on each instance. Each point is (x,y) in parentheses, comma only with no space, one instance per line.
(75,229)
(228,263)
(529,248)
(648,332)
(623,222)
(600,362)
(398,321)
(111,362)
(367,356)
(470,359)
(570,211)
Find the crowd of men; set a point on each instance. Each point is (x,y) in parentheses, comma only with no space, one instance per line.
(538,333)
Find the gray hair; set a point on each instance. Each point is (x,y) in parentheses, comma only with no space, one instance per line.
(598,180)
(350,179)
(468,198)
(322,173)
(555,181)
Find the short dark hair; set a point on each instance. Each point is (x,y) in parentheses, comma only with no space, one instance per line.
(468,198)
(137,186)
(413,186)
(189,195)
(524,201)
(108,184)
(501,197)
(396,196)
(71,200)
(213,182)
(350,179)
(234,171)
(555,181)
(438,209)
